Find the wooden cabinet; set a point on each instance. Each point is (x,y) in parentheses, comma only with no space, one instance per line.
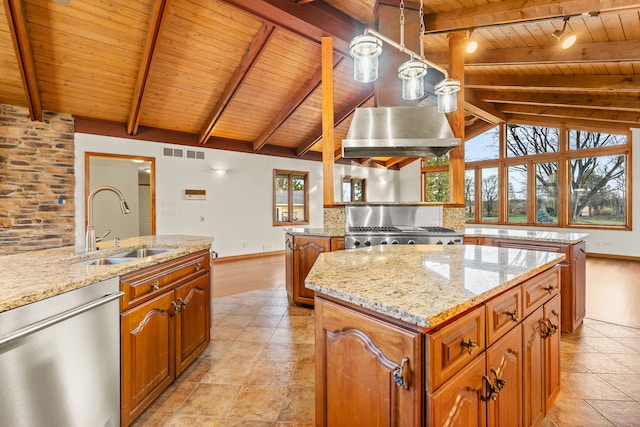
(301,252)
(165,325)
(495,365)
(359,359)
(572,271)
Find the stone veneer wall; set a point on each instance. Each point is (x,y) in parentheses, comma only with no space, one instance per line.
(36,172)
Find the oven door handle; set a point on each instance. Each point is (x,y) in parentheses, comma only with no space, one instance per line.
(42,324)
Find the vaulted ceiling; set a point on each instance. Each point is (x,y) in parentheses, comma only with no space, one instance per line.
(245,75)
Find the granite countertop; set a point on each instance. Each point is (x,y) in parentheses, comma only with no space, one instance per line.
(327,232)
(424,285)
(33,276)
(540,236)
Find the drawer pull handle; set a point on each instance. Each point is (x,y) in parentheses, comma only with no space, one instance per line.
(492,389)
(547,328)
(549,288)
(197,267)
(176,308)
(513,314)
(155,285)
(469,345)
(183,303)
(399,375)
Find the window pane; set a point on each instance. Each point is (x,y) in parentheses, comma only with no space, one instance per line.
(547,193)
(470,194)
(358,190)
(489,195)
(517,193)
(436,161)
(346,190)
(485,146)
(525,140)
(436,186)
(298,183)
(580,140)
(282,197)
(598,190)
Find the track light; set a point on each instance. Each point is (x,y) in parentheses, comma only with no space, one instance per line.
(565,39)
(472,44)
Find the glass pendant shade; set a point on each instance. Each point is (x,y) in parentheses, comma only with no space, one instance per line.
(447,91)
(365,51)
(412,75)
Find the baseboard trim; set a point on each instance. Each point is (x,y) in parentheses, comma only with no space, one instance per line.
(248,256)
(615,257)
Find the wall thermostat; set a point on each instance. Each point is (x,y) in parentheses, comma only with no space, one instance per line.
(195,194)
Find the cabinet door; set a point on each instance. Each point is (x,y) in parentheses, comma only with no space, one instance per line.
(533,369)
(192,322)
(147,357)
(306,251)
(504,363)
(552,350)
(356,358)
(457,402)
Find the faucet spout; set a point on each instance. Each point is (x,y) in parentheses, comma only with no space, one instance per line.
(90,238)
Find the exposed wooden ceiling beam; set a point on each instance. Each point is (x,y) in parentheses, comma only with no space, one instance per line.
(575,123)
(476,128)
(249,59)
(158,16)
(312,20)
(619,51)
(550,83)
(478,107)
(363,96)
(397,160)
(292,104)
(629,103)
(515,11)
(17,20)
(631,118)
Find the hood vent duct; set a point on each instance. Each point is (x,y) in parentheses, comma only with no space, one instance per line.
(398,132)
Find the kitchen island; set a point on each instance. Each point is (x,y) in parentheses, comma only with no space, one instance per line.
(436,335)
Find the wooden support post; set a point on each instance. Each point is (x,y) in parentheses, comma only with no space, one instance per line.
(327,122)
(456,118)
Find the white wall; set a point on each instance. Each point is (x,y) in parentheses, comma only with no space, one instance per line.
(409,182)
(238,209)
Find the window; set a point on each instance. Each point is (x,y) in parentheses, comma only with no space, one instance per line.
(548,176)
(290,197)
(353,189)
(435,179)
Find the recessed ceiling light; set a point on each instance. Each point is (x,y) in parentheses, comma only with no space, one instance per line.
(62,2)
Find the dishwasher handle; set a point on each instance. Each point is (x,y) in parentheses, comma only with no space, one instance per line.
(50,321)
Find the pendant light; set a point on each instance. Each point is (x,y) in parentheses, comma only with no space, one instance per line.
(366,48)
(365,51)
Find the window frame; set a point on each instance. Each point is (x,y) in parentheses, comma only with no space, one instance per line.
(290,174)
(563,157)
(352,180)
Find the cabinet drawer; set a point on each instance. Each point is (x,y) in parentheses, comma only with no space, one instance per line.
(453,346)
(503,313)
(148,282)
(539,289)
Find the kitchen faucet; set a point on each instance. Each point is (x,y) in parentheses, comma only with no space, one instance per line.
(90,240)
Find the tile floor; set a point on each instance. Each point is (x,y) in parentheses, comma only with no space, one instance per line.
(259,371)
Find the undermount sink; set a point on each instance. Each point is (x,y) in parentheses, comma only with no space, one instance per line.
(104,261)
(142,253)
(124,257)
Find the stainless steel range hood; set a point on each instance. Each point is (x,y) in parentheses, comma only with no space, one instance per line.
(398,132)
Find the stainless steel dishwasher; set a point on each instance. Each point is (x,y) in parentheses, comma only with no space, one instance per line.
(60,360)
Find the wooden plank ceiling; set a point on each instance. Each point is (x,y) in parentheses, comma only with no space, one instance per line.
(245,74)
